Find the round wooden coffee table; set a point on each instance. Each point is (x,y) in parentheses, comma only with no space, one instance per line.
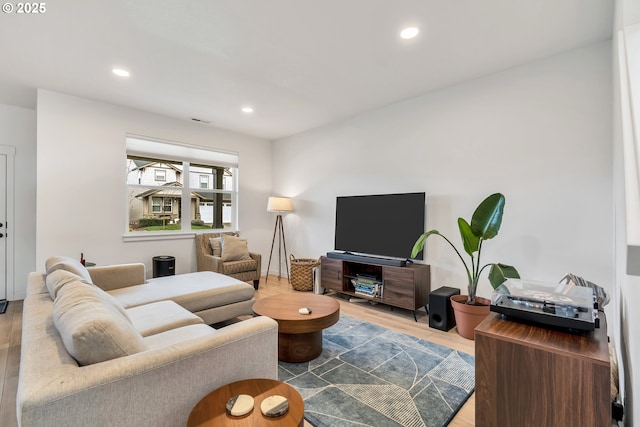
(211,412)
(299,335)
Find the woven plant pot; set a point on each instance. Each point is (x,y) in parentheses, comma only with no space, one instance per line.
(302,273)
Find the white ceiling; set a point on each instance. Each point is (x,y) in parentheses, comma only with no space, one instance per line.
(299,63)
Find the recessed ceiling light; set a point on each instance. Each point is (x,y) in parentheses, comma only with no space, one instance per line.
(409,33)
(247,110)
(121,72)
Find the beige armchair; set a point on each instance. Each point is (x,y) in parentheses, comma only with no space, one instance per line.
(245,270)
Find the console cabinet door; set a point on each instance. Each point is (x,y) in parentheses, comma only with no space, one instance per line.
(399,287)
(331,273)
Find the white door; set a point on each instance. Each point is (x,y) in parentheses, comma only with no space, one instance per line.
(3,226)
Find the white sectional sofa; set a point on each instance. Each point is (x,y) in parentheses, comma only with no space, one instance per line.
(102,347)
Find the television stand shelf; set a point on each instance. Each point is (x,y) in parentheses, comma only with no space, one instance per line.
(405,287)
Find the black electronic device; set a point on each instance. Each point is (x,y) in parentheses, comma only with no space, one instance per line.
(347,256)
(440,310)
(164,266)
(386,225)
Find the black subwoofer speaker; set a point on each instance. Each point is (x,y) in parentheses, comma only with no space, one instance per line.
(440,311)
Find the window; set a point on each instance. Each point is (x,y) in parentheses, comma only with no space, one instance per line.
(173,187)
(161,205)
(215,204)
(157,205)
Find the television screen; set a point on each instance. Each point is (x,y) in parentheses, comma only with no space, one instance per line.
(386,225)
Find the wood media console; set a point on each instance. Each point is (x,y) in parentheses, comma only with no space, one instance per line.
(532,376)
(405,287)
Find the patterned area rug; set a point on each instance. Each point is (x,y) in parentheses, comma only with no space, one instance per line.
(368,375)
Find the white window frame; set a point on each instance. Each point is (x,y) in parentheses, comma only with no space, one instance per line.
(204,179)
(163,205)
(151,148)
(153,205)
(160,175)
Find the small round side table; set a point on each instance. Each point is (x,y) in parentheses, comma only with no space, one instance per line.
(211,411)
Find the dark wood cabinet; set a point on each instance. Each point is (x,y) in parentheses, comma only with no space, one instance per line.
(405,287)
(331,273)
(533,376)
(400,288)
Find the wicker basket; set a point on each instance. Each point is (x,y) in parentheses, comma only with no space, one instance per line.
(302,273)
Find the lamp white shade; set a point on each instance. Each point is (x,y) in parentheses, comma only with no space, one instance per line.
(279,204)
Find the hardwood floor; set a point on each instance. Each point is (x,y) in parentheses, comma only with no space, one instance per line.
(10,335)
(397,319)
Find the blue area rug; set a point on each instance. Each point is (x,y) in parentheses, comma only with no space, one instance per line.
(368,375)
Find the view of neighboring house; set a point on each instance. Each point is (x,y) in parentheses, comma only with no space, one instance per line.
(155,193)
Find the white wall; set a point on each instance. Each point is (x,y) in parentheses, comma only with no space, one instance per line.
(540,134)
(18,129)
(81,178)
(626,62)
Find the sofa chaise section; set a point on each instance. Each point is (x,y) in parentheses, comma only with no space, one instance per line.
(212,296)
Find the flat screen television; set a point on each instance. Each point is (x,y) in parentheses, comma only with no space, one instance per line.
(384,225)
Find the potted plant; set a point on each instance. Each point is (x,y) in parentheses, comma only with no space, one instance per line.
(470,309)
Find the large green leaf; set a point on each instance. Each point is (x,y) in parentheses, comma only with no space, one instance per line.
(419,244)
(501,272)
(470,241)
(486,220)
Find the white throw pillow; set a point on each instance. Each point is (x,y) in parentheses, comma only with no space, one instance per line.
(92,328)
(234,249)
(216,246)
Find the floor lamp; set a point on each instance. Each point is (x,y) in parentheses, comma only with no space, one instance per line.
(279,205)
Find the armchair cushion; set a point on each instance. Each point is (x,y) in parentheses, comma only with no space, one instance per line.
(215,243)
(234,249)
(234,267)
